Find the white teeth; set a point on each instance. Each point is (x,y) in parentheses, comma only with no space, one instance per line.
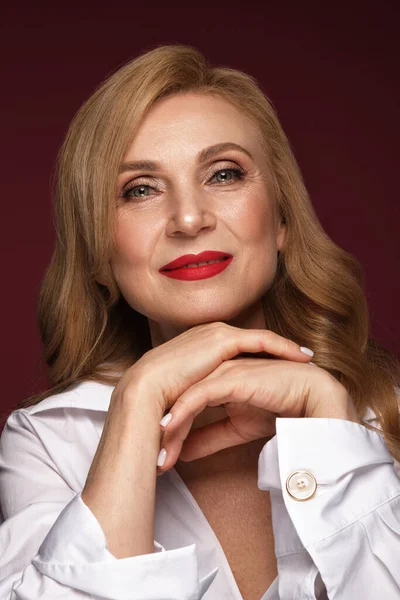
(201,264)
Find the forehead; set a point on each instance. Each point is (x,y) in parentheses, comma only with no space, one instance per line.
(189,122)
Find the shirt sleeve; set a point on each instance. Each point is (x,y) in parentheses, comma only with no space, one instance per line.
(53,547)
(347,533)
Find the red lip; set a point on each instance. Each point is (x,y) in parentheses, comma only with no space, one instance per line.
(195,258)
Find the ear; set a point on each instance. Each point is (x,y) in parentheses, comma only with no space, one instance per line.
(101,281)
(281,236)
(102,277)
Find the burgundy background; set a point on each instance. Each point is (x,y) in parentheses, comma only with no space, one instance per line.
(332,73)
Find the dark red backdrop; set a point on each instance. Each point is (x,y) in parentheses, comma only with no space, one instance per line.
(332,73)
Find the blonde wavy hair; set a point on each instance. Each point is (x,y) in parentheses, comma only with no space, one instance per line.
(87,328)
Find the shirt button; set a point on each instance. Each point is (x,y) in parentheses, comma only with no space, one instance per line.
(301,485)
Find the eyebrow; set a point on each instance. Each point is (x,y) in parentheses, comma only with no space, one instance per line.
(203,156)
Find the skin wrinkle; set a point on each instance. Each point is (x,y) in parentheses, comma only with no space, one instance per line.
(187,214)
(203,155)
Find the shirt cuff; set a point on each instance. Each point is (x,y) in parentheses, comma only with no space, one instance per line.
(75,554)
(352,467)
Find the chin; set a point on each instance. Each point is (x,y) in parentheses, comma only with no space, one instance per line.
(200,316)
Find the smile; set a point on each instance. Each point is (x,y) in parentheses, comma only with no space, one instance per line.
(187,269)
(201,264)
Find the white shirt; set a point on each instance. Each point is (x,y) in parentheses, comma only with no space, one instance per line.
(343,543)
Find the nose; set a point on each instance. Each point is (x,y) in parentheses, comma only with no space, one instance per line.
(189,217)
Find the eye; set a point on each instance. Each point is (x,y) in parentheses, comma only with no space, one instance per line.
(137,191)
(228,175)
(143,190)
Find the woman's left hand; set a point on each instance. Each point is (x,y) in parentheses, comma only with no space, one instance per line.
(254,391)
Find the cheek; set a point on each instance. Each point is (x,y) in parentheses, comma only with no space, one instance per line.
(134,241)
(253,218)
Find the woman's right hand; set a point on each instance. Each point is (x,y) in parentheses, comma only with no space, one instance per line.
(126,456)
(163,373)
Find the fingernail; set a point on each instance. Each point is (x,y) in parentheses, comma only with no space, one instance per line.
(311,363)
(161,457)
(307,351)
(165,420)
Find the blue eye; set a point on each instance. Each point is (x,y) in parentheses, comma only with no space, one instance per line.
(223,176)
(228,175)
(143,191)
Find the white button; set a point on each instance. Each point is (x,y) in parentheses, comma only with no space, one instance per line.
(301,485)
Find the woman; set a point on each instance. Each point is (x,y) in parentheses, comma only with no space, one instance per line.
(190,279)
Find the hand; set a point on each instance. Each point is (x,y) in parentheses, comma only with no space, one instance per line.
(164,373)
(254,392)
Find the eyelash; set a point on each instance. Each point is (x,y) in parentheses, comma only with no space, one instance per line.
(240,173)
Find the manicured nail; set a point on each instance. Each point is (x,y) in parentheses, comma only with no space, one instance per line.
(165,420)
(307,351)
(161,457)
(311,363)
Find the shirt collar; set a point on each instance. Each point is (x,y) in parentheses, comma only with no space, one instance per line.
(89,395)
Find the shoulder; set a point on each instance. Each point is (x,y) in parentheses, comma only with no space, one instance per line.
(61,432)
(370,418)
(89,395)
(78,399)
(58,415)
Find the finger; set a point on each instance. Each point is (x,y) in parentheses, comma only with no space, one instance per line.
(172,444)
(167,367)
(201,442)
(174,437)
(211,391)
(210,439)
(263,341)
(281,389)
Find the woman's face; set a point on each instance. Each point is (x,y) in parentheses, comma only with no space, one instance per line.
(189,201)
